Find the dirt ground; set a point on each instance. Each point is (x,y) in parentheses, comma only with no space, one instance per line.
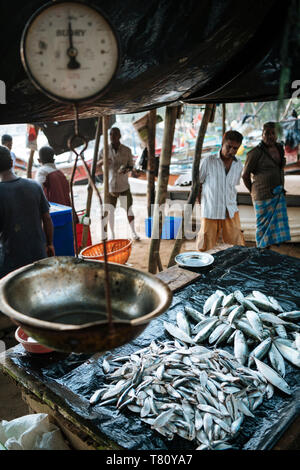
(11,403)
(139,257)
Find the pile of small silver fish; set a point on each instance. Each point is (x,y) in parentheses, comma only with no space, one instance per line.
(255,325)
(200,394)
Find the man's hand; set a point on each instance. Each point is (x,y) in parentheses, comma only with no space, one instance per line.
(50,250)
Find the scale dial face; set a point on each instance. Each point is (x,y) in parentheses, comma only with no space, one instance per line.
(70,51)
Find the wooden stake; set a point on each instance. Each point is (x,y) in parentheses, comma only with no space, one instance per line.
(209,109)
(105,124)
(90,189)
(162,186)
(223,118)
(151,160)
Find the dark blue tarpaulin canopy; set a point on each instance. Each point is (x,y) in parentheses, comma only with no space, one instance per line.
(194,51)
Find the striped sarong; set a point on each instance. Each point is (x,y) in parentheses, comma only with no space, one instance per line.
(272,225)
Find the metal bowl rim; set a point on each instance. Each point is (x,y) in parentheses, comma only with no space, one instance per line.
(30,321)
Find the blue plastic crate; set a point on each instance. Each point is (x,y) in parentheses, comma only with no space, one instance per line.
(169,229)
(63,240)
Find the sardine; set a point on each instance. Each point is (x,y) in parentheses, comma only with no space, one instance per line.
(177,333)
(272,376)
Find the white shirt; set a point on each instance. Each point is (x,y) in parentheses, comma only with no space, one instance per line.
(43,171)
(118,182)
(218,189)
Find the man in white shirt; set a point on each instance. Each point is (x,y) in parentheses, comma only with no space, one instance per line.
(219,176)
(120,162)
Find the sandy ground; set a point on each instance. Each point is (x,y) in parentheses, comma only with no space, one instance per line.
(11,404)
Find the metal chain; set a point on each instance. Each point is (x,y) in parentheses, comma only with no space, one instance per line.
(71,145)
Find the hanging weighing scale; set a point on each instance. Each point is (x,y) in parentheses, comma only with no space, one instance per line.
(71,53)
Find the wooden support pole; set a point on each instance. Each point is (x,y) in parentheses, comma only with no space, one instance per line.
(105,125)
(151,124)
(162,186)
(209,109)
(90,189)
(223,118)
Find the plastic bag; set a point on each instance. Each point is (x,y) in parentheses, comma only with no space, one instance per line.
(31,432)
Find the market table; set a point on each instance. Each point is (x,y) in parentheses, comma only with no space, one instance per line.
(61,384)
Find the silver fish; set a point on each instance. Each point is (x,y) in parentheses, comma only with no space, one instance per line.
(236,313)
(183,323)
(228,300)
(260,351)
(239,296)
(290,354)
(96,396)
(240,347)
(215,306)
(272,377)
(217,332)
(205,331)
(177,333)
(276,304)
(271,318)
(209,302)
(255,322)
(276,360)
(293,315)
(192,312)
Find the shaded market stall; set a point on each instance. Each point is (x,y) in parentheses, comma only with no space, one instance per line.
(225,52)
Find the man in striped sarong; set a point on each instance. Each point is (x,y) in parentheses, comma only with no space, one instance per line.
(264,177)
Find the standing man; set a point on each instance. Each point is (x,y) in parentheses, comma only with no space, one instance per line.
(264,177)
(120,162)
(52,180)
(7,141)
(26,229)
(219,176)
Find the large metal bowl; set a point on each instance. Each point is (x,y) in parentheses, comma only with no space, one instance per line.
(61,303)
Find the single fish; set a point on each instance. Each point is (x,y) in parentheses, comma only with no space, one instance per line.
(272,318)
(276,304)
(96,396)
(276,360)
(215,306)
(273,377)
(205,331)
(239,296)
(240,347)
(236,313)
(255,322)
(177,333)
(290,354)
(192,312)
(293,315)
(228,300)
(260,351)
(209,302)
(217,332)
(182,323)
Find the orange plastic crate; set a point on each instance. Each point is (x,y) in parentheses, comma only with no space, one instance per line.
(118,251)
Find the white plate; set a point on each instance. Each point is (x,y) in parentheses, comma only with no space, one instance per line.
(194,259)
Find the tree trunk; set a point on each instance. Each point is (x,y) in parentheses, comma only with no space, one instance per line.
(209,108)
(105,123)
(151,160)
(162,187)
(223,119)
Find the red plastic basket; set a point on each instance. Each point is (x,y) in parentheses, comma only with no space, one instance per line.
(118,251)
